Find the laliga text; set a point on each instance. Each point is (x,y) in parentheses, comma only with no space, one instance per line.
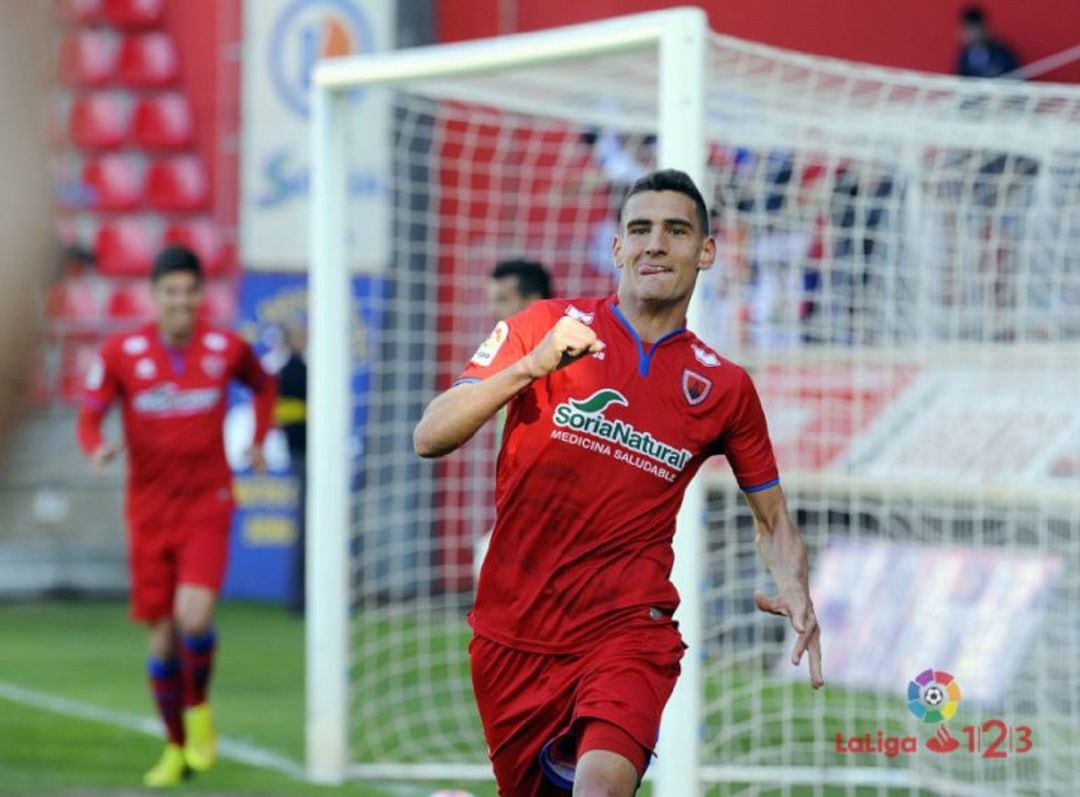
(993,739)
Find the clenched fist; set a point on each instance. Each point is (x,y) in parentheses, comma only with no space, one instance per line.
(567,341)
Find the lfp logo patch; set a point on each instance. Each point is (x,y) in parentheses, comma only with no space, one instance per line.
(934,696)
(306,31)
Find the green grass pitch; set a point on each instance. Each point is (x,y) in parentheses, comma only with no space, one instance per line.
(89,652)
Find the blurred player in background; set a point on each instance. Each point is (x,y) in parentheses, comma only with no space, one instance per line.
(514,285)
(171,378)
(28,259)
(613,407)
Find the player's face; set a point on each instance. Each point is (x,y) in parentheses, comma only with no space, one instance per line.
(177,297)
(504,298)
(661,248)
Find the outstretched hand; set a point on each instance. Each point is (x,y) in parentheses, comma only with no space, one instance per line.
(105,454)
(256,457)
(795,604)
(566,342)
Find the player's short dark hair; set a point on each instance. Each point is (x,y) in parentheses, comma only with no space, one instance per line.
(671,180)
(175,258)
(973,15)
(532,277)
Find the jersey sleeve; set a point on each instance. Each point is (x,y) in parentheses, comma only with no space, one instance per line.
(100,390)
(508,342)
(746,442)
(263,389)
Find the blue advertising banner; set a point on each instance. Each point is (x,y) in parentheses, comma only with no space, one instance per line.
(265,525)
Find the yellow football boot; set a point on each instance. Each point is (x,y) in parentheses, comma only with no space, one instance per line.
(170,770)
(200,745)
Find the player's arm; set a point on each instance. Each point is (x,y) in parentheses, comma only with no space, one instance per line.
(101,389)
(783,551)
(453,417)
(263,397)
(749,450)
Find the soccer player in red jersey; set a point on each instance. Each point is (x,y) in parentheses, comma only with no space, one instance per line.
(171,378)
(613,407)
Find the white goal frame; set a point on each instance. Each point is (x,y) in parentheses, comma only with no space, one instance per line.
(680,36)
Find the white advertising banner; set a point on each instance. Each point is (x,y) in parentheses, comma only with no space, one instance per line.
(283,39)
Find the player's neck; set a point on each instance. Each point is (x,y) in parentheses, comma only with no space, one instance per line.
(175,338)
(653,320)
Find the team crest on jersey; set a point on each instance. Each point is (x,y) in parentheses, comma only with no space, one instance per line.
(213,365)
(485,355)
(136,345)
(578,315)
(704,356)
(215,341)
(695,387)
(145,368)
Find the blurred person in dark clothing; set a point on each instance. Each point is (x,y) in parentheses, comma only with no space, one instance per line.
(982,55)
(291,416)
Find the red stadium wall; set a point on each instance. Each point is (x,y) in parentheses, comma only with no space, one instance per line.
(917,34)
(205,31)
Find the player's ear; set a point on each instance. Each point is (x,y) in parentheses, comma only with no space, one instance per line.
(707,256)
(616,251)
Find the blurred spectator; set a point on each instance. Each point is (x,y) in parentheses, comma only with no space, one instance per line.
(291,416)
(982,55)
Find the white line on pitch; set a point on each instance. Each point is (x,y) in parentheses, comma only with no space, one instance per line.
(233,749)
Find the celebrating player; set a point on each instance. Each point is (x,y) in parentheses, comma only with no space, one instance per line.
(171,378)
(613,407)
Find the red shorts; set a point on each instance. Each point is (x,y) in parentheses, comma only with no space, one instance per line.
(180,542)
(529,699)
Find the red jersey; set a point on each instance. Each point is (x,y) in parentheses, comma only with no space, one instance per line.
(173,402)
(592,469)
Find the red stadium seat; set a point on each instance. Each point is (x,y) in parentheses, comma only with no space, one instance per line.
(163,122)
(79,12)
(148,60)
(97,121)
(87,58)
(73,309)
(112,182)
(178,184)
(125,248)
(203,238)
(135,14)
(219,304)
(131,303)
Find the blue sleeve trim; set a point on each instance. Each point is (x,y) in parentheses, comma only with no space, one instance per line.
(466,380)
(761,487)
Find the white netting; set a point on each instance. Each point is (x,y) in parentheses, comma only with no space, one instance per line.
(900,268)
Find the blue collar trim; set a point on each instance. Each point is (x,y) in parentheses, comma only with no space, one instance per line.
(644,360)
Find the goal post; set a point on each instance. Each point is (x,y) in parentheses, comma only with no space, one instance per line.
(679,36)
(898,267)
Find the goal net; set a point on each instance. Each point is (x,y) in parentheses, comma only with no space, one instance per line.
(899,268)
